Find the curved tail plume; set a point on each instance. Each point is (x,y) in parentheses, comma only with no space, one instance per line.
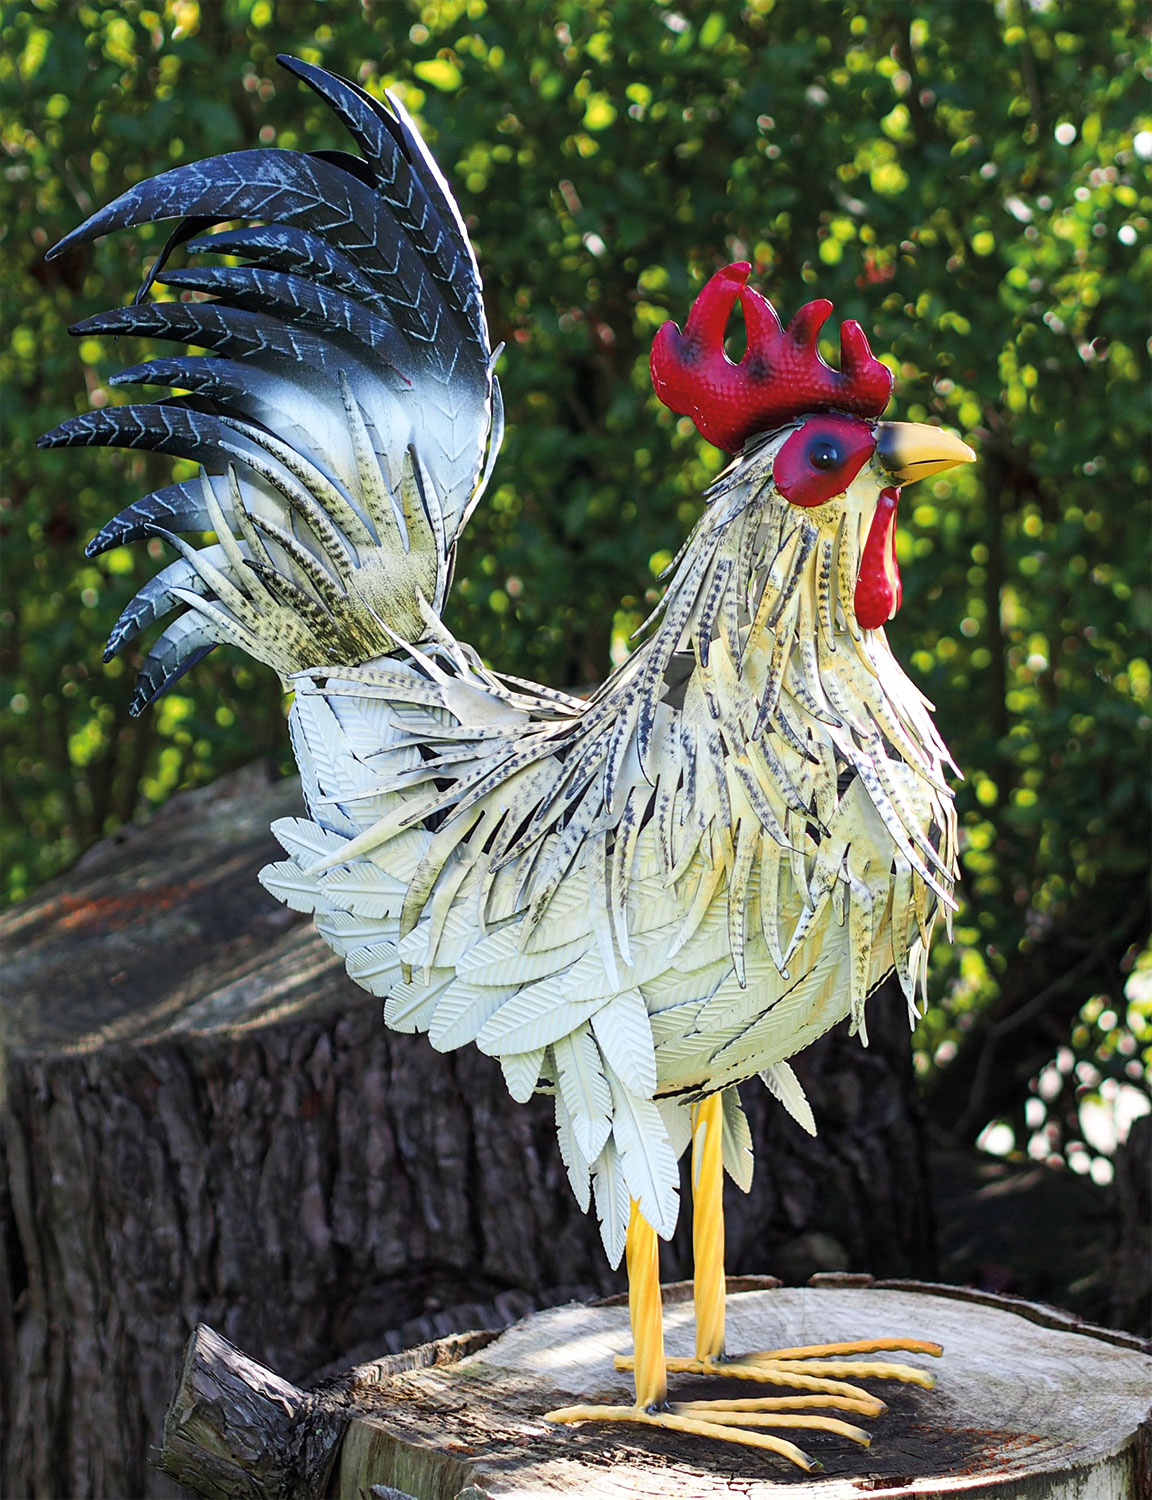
(347,416)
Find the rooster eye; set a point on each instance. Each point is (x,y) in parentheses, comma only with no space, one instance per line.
(823,455)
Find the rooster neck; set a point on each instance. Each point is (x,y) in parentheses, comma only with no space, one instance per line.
(760,606)
(756,672)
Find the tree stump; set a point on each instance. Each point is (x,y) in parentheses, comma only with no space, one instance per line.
(1024,1407)
(204,1120)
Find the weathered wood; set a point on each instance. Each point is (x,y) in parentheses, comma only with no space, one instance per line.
(1026,1406)
(236,1431)
(205,1120)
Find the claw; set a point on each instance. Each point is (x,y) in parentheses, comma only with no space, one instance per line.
(808,1369)
(732,1427)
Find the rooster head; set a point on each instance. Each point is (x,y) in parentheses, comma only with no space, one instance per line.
(782,382)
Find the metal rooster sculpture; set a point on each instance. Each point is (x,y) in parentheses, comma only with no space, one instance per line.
(634,902)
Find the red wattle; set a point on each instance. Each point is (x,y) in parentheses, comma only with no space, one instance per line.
(878,587)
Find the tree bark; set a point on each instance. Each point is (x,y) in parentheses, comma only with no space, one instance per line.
(236,1431)
(204,1120)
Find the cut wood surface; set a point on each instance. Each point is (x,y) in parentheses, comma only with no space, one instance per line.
(1021,1411)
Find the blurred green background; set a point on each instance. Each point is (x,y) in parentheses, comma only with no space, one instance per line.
(969,180)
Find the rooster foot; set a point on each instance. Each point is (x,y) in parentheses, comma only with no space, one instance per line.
(740,1420)
(817,1371)
(814,1367)
(814,1376)
(733,1421)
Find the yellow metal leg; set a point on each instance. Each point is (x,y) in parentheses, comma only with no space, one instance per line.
(708,1226)
(646,1312)
(822,1373)
(642,1257)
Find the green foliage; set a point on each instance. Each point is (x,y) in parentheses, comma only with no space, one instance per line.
(967,180)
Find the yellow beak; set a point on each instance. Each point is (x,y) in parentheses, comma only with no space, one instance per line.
(913,450)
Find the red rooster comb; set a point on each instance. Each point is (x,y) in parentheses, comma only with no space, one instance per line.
(781,375)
